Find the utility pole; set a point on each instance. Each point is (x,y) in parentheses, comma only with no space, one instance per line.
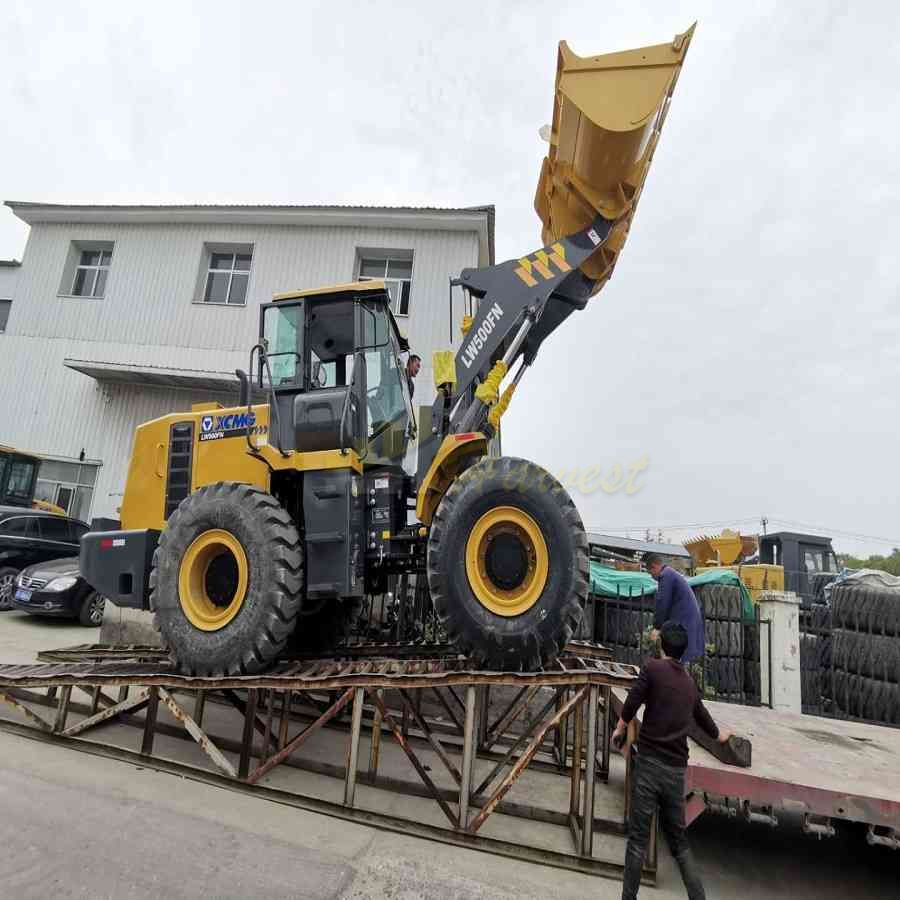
(764,521)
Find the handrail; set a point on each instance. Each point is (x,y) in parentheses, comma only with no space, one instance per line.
(273,405)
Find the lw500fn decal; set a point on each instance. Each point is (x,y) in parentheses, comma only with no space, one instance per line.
(213,428)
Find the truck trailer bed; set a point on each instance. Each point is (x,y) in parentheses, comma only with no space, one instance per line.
(809,764)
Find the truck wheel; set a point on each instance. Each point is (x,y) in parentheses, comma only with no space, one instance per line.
(508,564)
(227,580)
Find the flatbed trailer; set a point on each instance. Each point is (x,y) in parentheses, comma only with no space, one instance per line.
(387,709)
(819,768)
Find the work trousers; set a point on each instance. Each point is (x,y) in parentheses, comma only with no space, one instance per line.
(657,786)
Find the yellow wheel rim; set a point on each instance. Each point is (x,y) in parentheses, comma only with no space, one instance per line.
(212,580)
(507,561)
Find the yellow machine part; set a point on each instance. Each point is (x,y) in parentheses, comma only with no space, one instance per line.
(454,450)
(607,115)
(47,506)
(443,364)
(219,452)
(757,577)
(722,549)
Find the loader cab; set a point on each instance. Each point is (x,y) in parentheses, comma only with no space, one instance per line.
(18,477)
(337,373)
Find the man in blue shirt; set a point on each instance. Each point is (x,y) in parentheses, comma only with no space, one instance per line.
(675,602)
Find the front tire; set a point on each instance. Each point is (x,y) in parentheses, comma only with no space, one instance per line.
(227,580)
(508,564)
(7,587)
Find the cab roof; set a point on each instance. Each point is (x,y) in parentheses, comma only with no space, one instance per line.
(352,287)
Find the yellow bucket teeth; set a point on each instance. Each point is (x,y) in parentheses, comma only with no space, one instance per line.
(608,112)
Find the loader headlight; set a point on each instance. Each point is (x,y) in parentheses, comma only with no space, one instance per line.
(61,584)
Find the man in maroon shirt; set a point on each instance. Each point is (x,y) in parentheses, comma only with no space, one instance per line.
(672,704)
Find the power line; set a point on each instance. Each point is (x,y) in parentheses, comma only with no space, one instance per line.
(837,532)
(721,524)
(724,523)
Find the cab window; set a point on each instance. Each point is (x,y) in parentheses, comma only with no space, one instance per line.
(283,335)
(329,337)
(386,402)
(20,480)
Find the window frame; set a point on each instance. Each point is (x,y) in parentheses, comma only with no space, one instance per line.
(78,485)
(387,257)
(77,246)
(96,269)
(235,251)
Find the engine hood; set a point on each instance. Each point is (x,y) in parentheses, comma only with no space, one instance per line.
(56,568)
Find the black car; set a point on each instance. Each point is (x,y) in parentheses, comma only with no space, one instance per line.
(29,536)
(57,589)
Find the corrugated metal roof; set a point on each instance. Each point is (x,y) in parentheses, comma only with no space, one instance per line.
(29,211)
(614,542)
(154,376)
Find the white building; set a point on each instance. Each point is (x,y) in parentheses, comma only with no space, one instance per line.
(119,314)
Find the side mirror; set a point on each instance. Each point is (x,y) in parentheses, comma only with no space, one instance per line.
(244,393)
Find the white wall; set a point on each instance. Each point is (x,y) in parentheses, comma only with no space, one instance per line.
(148,318)
(9,275)
(153,280)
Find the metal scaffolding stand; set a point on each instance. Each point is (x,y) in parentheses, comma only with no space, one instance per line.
(557,721)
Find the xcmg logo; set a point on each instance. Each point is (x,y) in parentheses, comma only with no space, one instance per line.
(228,423)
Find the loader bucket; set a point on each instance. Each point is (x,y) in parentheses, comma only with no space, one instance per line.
(607,115)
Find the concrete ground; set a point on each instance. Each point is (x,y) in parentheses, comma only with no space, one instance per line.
(76,825)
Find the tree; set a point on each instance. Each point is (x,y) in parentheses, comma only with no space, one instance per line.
(889,564)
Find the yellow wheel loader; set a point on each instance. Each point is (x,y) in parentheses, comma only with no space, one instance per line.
(247,528)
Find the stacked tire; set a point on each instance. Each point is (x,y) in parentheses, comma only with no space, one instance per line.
(622,623)
(726,666)
(866,653)
(815,659)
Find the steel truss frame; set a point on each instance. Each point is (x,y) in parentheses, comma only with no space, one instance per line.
(435,703)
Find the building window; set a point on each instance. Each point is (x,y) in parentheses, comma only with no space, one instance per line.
(86,271)
(91,272)
(395,269)
(4,314)
(67,484)
(227,276)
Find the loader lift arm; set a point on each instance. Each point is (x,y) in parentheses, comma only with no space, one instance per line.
(608,114)
(520,302)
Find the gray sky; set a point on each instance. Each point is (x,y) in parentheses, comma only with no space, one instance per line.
(747,345)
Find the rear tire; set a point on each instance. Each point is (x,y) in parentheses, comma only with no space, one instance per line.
(7,586)
(540,612)
(242,589)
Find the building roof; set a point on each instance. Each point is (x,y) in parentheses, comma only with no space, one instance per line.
(614,542)
(154,376)
(465,218)
(9,263)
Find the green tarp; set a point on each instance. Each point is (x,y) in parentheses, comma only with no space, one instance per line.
(608,582)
